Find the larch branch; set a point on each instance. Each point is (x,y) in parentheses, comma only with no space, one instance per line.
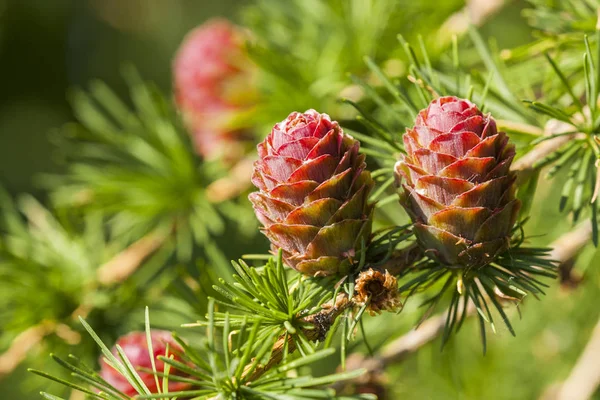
(564,250)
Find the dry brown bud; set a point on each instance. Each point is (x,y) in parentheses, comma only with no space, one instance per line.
(379,289)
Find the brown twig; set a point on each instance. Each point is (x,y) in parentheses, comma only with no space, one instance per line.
(232,185)
(568,246)
(321,323)
(519,127)
(399,349)
(22,344)
(475,12)
(128,261)
(409,343)
(524,166)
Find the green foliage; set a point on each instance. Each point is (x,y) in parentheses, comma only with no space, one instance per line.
(40,254)
(136,167)
(511,277)
(329,36)
(132,173)
(266,295)
(133,179)
(214,368)
(575,116)
(562,17)
(306,49)
(49,266)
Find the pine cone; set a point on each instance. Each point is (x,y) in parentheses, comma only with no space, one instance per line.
(313,193)
(135,347)
(458,189)
(213,85)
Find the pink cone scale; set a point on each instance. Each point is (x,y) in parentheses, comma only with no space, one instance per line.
(135,347)
(212,84)
(313,193)
(457,187)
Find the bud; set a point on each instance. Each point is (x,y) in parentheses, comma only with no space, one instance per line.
(135,347)
(378,289)
(213,86)
(458,189)
(313,193)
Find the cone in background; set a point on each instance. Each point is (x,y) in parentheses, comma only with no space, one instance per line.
(313,193)
(135,347)
(213,85)
(457,187)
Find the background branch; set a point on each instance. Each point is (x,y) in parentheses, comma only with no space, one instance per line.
(568,246)
(128,261)
(524,166)
(584,378)
(475,12)
(30,338)
(21,345)
(235,183)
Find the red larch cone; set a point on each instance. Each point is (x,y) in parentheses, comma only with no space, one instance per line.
(135,347)
(313,193)
(457,187)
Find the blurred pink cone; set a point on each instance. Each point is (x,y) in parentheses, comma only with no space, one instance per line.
(135,347)
(213,85)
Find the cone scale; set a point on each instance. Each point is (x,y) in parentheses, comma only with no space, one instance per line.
(313,191)
(456,183)
(135,348)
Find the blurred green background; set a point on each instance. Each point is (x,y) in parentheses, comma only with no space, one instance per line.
(48,46)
